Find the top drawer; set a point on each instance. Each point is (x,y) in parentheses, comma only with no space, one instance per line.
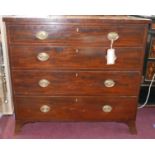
(129,35)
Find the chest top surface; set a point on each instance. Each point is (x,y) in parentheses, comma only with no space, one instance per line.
(100,19)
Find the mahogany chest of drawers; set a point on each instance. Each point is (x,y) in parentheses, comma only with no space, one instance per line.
(59,68)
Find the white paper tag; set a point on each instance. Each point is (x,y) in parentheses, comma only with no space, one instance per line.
(111,57)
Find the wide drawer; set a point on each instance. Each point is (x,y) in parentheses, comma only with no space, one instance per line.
(61,57)
(75,82)
(76,108)
(129,35)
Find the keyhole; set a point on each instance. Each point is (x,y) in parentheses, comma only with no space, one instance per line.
(77,50)
(77,29)
(76,100)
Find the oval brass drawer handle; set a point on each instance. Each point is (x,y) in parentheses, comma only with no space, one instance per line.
(42,35)
(109,83)
(43,83)
(107,108)
(112,36)
(43,56)
(45,108)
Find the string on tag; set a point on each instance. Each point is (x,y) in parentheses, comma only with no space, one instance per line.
(111,44)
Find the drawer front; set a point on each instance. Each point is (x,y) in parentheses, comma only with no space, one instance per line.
(75,83)
(75,108)
(129,35)
(60,57)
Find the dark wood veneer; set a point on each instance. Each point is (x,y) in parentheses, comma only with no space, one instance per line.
(75,108)
(66,57)
(66,83)
(86,35)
